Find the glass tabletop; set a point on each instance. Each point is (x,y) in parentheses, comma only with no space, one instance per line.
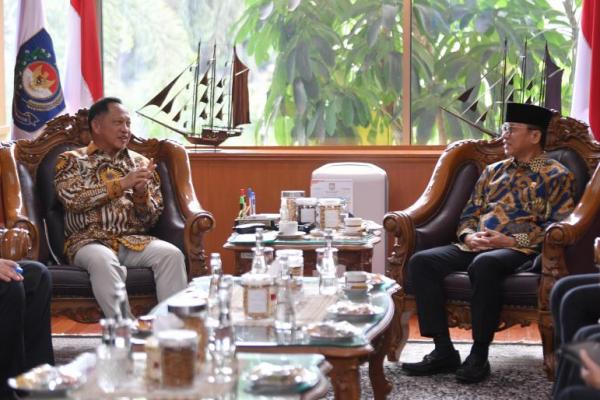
(272,238)
(262,333)
(136,387)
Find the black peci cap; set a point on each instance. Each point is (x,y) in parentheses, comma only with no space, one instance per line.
(529,114)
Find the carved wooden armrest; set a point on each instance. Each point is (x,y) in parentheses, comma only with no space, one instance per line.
(197,220)
(567,232)
(15,244)
(400,224)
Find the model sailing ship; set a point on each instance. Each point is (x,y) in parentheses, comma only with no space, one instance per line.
(511,84)
(204,108)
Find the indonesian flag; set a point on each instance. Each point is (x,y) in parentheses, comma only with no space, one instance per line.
(38,94)
(83,78)
(586,90)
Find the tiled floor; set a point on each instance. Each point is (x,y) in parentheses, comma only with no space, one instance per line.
(62,325)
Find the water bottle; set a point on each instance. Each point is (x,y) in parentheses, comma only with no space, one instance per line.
(285,315)
(216,268)
(328,269)
(112,362)
(224,356)
(259,264)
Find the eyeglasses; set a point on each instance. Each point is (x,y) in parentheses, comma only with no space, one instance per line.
(510,127)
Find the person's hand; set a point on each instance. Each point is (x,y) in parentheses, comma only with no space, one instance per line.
(138,177)
(8,271)
(497,240)
(477,241)
(489,239)
(590,371)
(140,188)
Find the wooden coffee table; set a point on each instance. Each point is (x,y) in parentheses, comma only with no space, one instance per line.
(355,253)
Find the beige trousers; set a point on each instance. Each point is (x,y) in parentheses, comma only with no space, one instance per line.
(106,269)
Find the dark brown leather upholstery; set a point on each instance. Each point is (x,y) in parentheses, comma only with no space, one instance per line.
(182,222)
(432,221)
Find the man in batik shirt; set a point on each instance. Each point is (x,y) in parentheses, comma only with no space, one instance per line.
(501,228)
(112,198)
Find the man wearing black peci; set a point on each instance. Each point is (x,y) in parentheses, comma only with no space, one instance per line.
(501,228)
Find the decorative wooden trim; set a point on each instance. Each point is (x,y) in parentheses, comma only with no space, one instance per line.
(198,221)
(12,200)
(597,250)
(87,311)
(15,243)
(62,129)
(575,134)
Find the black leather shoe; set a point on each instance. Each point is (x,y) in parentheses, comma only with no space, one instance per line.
(473,370)
(434,363)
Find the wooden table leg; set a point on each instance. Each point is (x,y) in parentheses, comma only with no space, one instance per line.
(381,386)
(345,378)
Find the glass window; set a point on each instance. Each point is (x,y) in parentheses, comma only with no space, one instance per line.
(329,72)
(145,48)
(458,54)
(321,72)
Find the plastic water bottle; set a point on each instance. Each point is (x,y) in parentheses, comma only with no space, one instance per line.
(224,355)
(285,315)
(112,361)
(259,264)
(328,269)
(216,268)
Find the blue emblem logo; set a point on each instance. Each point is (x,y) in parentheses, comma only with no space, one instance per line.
(38,95)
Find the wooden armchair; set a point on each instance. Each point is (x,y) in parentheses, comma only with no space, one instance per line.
(432,221)
(30,203)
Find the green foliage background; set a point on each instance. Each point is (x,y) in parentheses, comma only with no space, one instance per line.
(338,63)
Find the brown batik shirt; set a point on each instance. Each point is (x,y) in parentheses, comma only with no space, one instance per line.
(97,209)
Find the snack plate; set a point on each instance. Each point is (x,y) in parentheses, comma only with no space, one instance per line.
(346,232)
(375,280)
(357,294)
(267,378)
(331,332)
(354,312)
(46,381)
(295,235)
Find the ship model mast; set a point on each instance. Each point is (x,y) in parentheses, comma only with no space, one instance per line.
(549,92)
(205,109)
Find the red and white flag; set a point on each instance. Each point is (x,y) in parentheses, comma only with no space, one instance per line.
(83,77)
(586,90)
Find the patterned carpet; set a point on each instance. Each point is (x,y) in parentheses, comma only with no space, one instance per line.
(516,373)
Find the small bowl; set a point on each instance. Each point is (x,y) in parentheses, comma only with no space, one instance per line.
(355,277)
(353,221)
(357,294)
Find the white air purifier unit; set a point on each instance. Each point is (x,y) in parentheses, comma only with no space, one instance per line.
(365,187)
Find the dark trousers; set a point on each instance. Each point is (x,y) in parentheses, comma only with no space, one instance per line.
(568,373)
(574,303)
(25,338)
(427,270)
(579,393)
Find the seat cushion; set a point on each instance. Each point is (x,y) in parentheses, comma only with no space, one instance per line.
(518,289)
(74,281)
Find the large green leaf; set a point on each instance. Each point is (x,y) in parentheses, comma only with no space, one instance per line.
(300,96)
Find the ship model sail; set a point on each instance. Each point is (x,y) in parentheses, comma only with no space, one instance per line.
(204,108)
(506,83)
